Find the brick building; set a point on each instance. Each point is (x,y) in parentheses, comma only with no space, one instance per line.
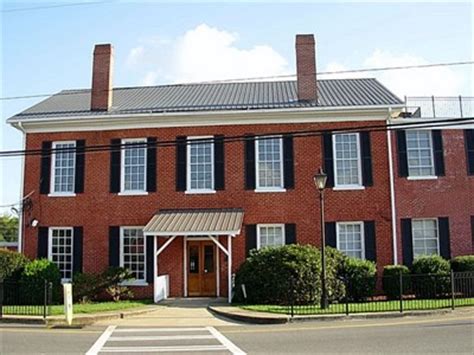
(178,182)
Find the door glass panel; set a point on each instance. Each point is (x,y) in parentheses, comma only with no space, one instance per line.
(194,259)
(209,258)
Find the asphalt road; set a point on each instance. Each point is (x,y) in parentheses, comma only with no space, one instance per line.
(441,334)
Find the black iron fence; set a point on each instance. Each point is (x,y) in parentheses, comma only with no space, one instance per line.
(398,293)
(17,298)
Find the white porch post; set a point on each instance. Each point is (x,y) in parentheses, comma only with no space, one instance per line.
(229,267)
(155,269)
(185,266)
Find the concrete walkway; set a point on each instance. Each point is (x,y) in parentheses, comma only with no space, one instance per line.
(177,312)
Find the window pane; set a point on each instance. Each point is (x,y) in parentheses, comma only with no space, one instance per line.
(134,166)
(269,163)
(347,159)
(425,237)
(133,252)
(419,153)
(62,256)
(64,160)
(201,165)
(350,239)
(271,236)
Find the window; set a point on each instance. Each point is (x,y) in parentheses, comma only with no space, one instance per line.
(132,252)
(347,165)
(420,153)
(200,164)
(425,237)
(60,250)
(350,239)
(134,165)
(269,161)
(63,167)
(270,235)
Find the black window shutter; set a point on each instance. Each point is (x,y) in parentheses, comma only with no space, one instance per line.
(469,144)
(328,159)
(330,234)
(219,161)
(288,162)
(77,249)
(114,246)
(472,234)
(80,166)
(290,233)
(149,258)
(444,243)
(45,177)
(115,158)
(42,251)
(366,155)
(402,153)
(250,238)
(438,152)
(181,163)
(151,164)
(249,162)
(407,241)
(370,246)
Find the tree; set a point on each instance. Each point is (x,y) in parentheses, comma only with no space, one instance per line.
(8,228)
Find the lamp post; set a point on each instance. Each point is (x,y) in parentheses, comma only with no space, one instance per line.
(320,179)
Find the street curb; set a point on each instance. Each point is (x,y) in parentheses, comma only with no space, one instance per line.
(79,319)
(264,318)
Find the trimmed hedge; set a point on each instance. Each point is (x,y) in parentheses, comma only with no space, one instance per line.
(33,277)
(430,276)
(11,262)
(391,280)
(463,263)
(360,276)
(270,273)
(430,264)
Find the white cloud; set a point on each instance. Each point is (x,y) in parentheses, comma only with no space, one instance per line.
(438,81)
(204,53)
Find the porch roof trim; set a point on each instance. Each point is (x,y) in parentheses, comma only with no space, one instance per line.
(195,222)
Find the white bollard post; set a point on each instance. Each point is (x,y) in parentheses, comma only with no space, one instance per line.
(67,290)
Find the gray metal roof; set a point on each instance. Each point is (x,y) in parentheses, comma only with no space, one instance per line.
(195,222)
(214,96)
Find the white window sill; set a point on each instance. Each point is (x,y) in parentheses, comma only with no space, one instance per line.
(428,177)
(270,190)
(62,194)
(134,283)
(133,193)
(348,188)
(197,192)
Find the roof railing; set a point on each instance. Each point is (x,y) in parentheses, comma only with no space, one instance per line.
(438,107)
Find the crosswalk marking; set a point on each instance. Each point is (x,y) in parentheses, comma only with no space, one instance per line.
(160,340)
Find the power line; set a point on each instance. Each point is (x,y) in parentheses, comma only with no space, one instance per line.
(243,138)
(406,67)
(32,8)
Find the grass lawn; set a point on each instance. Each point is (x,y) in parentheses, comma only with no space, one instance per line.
(364,307)
(79,307)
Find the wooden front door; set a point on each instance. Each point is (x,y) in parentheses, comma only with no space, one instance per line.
(201,268)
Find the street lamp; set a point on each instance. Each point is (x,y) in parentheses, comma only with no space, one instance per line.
(320,179)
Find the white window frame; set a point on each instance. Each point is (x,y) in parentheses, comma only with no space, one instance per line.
(189,190)
(134,282)
(54,193)
(275,225)
(359,185)
(438,252)
(50,249)
(259,188)
(422,177)
(122,167)
(362,236)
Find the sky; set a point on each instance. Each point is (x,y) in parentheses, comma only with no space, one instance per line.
(45,50)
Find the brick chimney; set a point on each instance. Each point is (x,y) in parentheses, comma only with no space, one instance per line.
(306,68)
(101,95)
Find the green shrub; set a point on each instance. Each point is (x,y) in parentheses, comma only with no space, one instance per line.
(33,279)
(430,276)
(88,287)
(11,261)
(270,273)
(391,280)
(463,263)
(360,276)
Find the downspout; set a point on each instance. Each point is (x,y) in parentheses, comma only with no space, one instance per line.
(19,126)
(392,191)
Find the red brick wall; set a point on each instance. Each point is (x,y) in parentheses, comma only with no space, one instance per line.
(96,209)
(450,196)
